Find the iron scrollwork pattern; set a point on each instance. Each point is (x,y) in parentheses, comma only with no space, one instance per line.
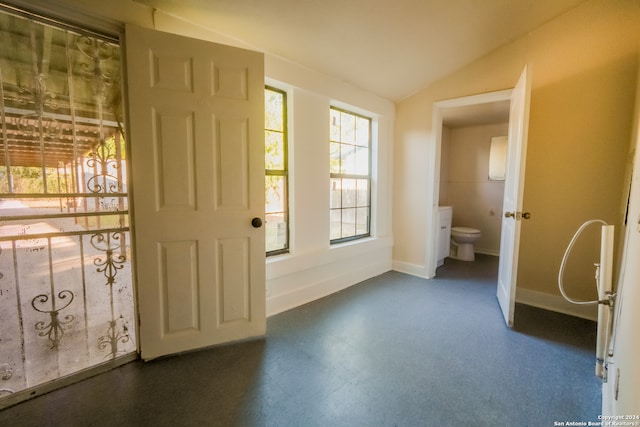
(117,332)
(104,158)
(54,330)
(99,64)
(113,261)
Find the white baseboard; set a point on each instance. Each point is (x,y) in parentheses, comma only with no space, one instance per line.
(493,252)
(556,303)
(314,291)
(411,269)
(303,286)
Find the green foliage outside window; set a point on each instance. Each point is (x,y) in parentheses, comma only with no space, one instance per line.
(276,179)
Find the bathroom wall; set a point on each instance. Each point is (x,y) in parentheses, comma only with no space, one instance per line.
(476,201)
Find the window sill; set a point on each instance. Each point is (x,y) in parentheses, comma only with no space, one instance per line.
(285,264)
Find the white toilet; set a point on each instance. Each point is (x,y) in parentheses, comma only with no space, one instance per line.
(462,240)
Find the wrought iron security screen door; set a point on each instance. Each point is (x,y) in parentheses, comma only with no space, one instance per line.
(66,299)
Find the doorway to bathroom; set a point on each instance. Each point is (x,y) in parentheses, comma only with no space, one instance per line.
(465,180)
(474,111)
(463,129)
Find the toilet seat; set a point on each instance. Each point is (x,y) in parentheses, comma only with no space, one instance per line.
(464,230)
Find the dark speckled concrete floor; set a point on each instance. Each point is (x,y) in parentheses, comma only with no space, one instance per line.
(394,350)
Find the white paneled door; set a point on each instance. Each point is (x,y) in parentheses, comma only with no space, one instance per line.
(196,117)
(513,191)
(621,392)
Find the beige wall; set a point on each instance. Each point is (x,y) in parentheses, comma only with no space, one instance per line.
(583,69)
(464,177)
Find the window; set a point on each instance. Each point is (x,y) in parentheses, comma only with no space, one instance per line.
(276,172)
(350,167)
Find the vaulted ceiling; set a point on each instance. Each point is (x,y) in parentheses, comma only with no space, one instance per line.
(389,48)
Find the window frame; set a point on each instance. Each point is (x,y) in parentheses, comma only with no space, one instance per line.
(368,177)
(281,172)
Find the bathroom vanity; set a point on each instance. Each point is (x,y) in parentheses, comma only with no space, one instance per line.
(445,215)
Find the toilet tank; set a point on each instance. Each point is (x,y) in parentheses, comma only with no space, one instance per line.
(445,215)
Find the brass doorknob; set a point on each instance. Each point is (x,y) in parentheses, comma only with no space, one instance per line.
(517,215)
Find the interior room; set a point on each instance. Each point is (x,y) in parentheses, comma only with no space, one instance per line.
(229,213)
(467,183)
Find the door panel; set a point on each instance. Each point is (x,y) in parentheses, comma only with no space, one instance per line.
(232,151)
(175,162)
(513,191)
(196,119)
(179,280)
(234,302)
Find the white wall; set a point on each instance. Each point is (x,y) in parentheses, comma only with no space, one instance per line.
(313,268)
(476,201)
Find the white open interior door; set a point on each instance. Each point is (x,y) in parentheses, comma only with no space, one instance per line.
(513,190)
(621,392)
(196,117)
